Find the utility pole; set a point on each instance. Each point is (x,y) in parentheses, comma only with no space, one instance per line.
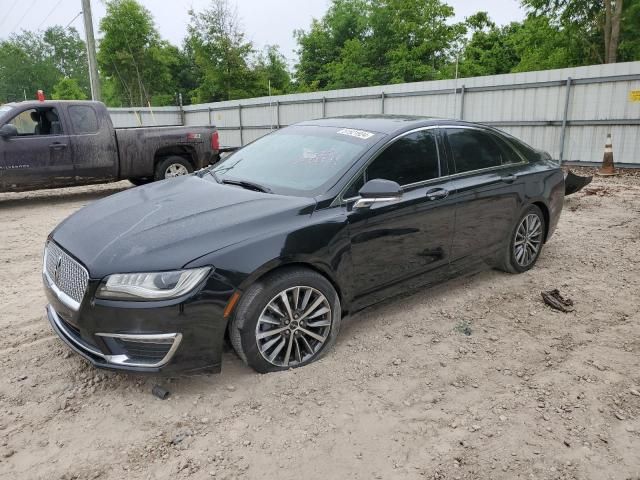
(91,51)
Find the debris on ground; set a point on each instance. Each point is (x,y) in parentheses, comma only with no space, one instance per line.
(574,183)
(599,191)
(555,300)
(160,392)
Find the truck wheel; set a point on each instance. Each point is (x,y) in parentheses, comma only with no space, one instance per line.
(173,167)
(141,180)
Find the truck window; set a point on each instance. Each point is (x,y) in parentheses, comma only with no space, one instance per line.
(37,121)
(83,119)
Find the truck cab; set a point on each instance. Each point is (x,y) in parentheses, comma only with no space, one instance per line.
(54,144)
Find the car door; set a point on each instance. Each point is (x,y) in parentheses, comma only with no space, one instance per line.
(38,156)
(487,188)
(401,240)
(93,144)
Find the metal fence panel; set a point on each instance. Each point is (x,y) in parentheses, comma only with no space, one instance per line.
(529,105)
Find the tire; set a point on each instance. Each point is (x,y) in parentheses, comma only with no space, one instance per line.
(179,165)
(141,181)
(520,258)
(254,304)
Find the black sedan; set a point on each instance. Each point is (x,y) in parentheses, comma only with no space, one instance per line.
(276,244)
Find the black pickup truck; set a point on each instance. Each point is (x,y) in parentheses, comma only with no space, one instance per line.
(54,144)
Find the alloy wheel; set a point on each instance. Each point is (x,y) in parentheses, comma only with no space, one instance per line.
(294,326)
(175,170)
(528,239)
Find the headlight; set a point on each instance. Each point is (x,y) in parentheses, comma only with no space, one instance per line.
(151,286)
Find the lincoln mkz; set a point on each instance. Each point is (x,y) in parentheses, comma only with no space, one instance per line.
(273,246)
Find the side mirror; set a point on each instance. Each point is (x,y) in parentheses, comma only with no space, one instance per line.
(378,191)
(9,130)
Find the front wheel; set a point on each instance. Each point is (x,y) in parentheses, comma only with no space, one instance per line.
(526,242)
(286,320)
(173,166)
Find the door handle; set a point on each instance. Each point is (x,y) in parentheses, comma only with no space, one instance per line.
(437,193)
(508,178)
(58,146)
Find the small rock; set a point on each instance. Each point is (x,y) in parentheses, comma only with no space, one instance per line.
(397,362)
(493,338)
(231,388)
(567,443)
(635,392)
(619,416)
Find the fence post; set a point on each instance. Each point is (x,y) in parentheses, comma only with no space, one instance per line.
(462,102)
(564,119)
(277,114)
(209,115)
(382,103)
(240,124)
(324,107)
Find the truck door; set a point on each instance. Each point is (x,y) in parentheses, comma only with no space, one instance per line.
(39,155)
(93,144)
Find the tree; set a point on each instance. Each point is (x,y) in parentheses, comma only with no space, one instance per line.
(365,42)
(270,68)
(490,49)
(68,89)
(598,22)
(324,47)
(135,63)
(32,61)
(221,53)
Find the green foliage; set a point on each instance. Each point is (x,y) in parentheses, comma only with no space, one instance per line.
(365,42)
(32,61)
(221,54)
(270,68)
(68,89)
(136,65)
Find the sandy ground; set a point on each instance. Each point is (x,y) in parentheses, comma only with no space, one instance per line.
(476,379)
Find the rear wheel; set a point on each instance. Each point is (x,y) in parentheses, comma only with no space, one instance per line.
(141,180)
(173,166)
(286,320)
(526,242)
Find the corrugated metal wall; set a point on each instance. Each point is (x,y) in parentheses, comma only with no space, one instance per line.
(567,112)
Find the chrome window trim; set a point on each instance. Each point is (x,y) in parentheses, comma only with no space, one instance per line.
(341,201)
(491,132)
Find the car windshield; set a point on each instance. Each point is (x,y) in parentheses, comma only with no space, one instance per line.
(297,160)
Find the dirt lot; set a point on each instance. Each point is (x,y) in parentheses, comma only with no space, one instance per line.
(476,379)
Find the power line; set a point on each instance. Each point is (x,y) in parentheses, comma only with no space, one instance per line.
(74,19)
(22,17)
(49,14)
(8,13)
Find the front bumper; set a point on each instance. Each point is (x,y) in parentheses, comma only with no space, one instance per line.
(183,335)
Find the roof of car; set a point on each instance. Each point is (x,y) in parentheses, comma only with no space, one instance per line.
(37,103)
(382,123)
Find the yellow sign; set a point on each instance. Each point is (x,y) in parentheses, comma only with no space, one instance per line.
(634,96)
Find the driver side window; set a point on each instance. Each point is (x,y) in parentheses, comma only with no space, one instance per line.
(410,159)
(37,121)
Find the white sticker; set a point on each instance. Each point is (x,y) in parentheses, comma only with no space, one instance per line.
(361,134)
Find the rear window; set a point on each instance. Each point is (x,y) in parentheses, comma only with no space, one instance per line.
(83,119)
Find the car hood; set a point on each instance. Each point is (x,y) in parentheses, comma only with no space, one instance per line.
(165,225)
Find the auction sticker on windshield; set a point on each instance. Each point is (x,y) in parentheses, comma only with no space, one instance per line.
(356,133)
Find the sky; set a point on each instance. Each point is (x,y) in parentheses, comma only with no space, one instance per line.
(266,22)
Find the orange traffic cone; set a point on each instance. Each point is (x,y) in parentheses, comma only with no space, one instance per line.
(607,168)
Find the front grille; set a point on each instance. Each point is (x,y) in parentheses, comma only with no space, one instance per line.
(67,274)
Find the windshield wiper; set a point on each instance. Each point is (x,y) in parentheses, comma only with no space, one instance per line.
(248,185)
